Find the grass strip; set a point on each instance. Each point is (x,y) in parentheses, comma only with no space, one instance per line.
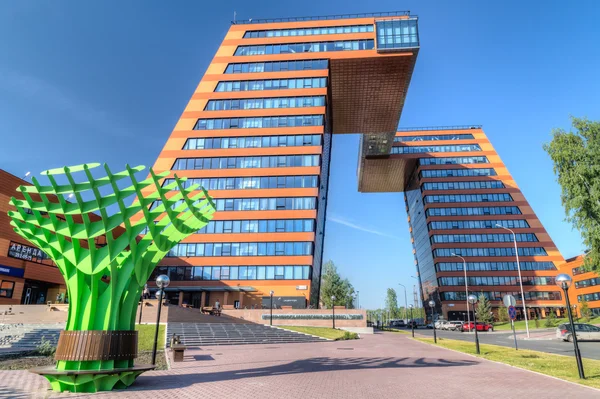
(324,332)
(563,367)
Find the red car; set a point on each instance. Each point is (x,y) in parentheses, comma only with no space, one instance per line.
(480,327)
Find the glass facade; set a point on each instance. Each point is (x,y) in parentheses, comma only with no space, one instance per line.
(275,161)
(435,148)
(463,185)
(259,226)
(250,183)
(495,280)
(478,224)
(587,283)
(493,266)
(242,249)
(311,47)
(527,251)
(467,198)
(452,160)
(486,210)
(436,137)
(271,84)
(259,122)
(261,103)
(199,273)
(266,204)
(457,172)
(276,66)
(299,140)
(497,296)
(397,34)
(323,30)
(451,238)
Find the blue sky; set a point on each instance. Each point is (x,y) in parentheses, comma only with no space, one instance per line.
(106,82)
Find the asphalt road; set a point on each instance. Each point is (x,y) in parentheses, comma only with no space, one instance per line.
(589,350)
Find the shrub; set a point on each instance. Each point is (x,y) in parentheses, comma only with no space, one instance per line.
(45,348)
(348,335)
(550,319)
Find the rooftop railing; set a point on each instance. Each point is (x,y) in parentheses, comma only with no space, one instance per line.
(324,17)
(432,128)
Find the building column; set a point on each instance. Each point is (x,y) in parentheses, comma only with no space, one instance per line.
(226,298)
(241,299)
(180,298)
(203,299)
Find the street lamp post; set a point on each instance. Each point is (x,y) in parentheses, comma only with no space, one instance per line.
(564,281)
(412,322)
(520,279)
(466,286)
(405,303)
(141,308)
(473,300)
(162,282)
(333,309)
(432,305)
(271,322)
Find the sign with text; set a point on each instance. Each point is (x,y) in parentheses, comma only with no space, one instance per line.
(11,271)
(25,252)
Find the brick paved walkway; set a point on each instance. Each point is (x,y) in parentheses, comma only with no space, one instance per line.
(377,366)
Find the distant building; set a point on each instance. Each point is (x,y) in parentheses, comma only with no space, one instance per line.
(27,276)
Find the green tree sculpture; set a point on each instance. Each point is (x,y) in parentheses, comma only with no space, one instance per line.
(104,283)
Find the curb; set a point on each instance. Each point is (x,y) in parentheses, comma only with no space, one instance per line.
(298,332)
(510,365)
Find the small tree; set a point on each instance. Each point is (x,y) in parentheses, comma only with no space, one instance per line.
(484,310)
(332,284)
(550,319)
(391,303)
(585,311)
(503,314)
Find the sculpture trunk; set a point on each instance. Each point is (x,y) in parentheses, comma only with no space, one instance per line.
(96,351)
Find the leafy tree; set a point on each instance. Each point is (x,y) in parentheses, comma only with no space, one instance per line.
(584,310)
(503,314)
(484,310)
(391,303)
(550,319)
(332,284)
(576,158)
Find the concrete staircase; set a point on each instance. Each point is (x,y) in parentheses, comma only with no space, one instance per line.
(208,334)
(22,337)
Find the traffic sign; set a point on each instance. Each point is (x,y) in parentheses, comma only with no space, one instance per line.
(509,300)
(512,312)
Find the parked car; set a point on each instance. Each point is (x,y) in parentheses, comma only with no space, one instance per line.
(480,327)
(438,324)
(454,325)
(430,326)
(585,332)
(397,324)
(412,323)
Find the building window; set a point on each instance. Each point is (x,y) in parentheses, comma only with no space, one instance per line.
(6,289)
(276,66)
(271,84)
(437,137)
(324,30)
(435,148)
(397,34)
(259,122)
(246,162)
(265,103)
(312,47)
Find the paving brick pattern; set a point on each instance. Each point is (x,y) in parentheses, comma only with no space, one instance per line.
(377,366)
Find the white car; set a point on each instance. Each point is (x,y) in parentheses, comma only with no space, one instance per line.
(439,323)
(451,325)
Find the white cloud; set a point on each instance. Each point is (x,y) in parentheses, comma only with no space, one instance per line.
(352,225)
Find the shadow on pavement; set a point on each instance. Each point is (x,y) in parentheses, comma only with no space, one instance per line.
(312,365)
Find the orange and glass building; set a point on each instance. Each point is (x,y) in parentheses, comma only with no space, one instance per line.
(257,133)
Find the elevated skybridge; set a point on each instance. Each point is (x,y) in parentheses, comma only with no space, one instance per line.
(381,170)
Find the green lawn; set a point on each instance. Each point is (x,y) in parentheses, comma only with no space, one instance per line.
(146,336)
(324,332)
(520,325)
(563,367)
